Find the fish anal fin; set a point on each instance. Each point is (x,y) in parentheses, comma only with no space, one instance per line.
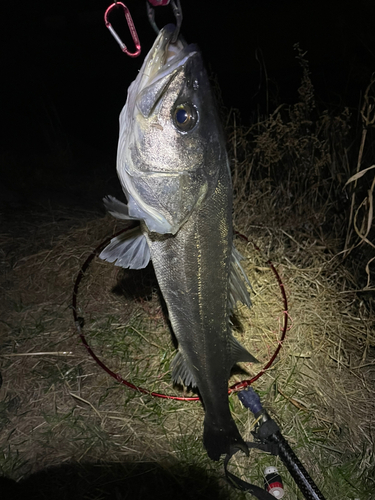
(181,373)
(239,353)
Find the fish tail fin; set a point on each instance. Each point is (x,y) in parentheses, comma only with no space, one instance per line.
(221,439)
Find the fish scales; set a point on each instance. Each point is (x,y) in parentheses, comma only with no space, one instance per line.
(198,309)
(174,170)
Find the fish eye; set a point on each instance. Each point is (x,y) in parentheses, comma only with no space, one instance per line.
(185,117)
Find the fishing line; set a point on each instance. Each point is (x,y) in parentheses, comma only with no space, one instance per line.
(79,322)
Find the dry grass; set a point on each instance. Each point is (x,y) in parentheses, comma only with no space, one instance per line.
(59,409)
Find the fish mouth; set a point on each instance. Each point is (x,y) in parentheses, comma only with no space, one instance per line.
(165,56)
(172,50)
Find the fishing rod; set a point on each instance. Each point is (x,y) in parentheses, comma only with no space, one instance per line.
(268,438)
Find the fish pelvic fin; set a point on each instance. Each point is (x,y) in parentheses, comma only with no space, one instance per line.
(128,250)
(219,440)
(181,373)
(238,281)
(117,208)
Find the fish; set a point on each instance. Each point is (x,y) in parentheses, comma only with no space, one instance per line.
(173,167)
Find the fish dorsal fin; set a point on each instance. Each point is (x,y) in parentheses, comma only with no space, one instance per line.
(239,353)
(181,373)
(237,279)
(117,208)
(128,250)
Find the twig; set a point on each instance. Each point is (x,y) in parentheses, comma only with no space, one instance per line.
(87,402)
(57,353)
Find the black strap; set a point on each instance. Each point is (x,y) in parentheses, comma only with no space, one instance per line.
(238,483)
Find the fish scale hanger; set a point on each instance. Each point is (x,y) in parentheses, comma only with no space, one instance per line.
(177,11)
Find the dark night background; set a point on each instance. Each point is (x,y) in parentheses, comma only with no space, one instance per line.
(66,79)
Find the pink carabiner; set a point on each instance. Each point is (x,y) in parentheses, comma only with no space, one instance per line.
(131,26)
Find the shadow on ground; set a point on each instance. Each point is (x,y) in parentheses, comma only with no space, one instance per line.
(108,481)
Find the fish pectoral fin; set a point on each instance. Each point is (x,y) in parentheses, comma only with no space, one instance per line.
(128,250)
(239,353)
(117,208)
(181,373)
(237,282)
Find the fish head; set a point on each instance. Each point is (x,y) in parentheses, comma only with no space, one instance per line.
(171,145)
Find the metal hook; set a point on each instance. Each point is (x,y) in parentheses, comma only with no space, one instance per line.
(177,11)
(131,26)
(151,17)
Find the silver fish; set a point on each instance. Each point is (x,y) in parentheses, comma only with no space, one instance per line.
(173,167)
